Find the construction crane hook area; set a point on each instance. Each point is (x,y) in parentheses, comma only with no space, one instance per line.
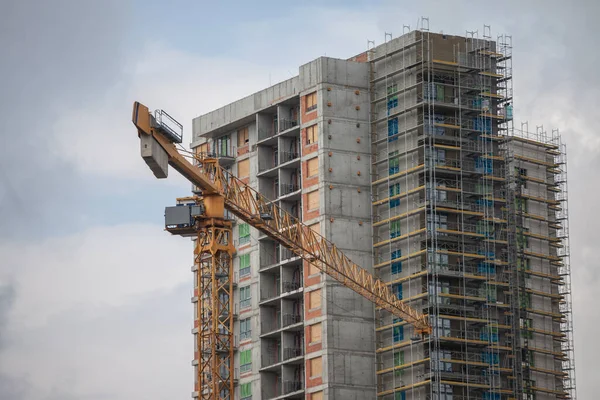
(220,190)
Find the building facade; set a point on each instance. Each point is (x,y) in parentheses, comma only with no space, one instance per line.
(406,158)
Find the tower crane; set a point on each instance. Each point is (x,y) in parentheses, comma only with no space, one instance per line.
(219,191)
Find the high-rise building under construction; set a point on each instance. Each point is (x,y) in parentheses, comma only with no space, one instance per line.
(405,157)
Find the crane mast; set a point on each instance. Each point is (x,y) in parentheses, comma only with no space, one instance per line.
(220,190)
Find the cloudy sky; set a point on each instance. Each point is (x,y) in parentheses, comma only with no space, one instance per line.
(94,296)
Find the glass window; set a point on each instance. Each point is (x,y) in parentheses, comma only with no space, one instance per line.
(394,165)
(244,234)
(436,156)
(489,334)
(392,129)
(400,395)
(437,221)
(246,391)
(394,229)
(245,328)
(489,357)
(245,361)
(391,89)
(398,361)
(223,146)
(245,297)
(392,103)
(244,265)
(394,191)
(398,290)
(445,392)
(396,265)
(443,326)
(398,334)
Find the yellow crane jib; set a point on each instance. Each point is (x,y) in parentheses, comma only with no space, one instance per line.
(159,151)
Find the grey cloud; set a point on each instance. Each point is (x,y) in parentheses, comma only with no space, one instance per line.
(55,55)
(7,297)
(14,388)
(140,350)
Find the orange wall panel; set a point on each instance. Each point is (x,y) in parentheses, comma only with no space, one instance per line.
(308,215)
(312,382)
(310,314)
(306,180)
(310,348)
(307,116)
(242,150)
(308,279)
(307,148)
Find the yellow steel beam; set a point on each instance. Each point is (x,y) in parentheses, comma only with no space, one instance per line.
(491,74)
(405,387)
(403,258)
(398,196)
(403,366)
(407,278)
(259,212)
(535,161)
(548,371)
(214,282)
(401,237)
(398,174)
(443,62)
(400,216)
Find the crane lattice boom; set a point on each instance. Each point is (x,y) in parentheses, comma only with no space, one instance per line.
(264,215)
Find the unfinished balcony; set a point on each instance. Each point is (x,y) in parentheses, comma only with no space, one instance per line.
(267,126)
(290,157)
(270,321)
(290,260)
(268,160)
(270,256)
(292,314)
(270,286)
(290,182)
(270,353)
(291,282)
(288,116)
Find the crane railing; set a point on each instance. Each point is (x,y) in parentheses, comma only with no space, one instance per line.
(266,216)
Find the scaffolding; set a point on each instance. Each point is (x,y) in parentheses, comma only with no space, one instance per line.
(541,305)
(448,238)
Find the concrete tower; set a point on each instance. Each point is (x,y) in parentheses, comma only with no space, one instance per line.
(406,158)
